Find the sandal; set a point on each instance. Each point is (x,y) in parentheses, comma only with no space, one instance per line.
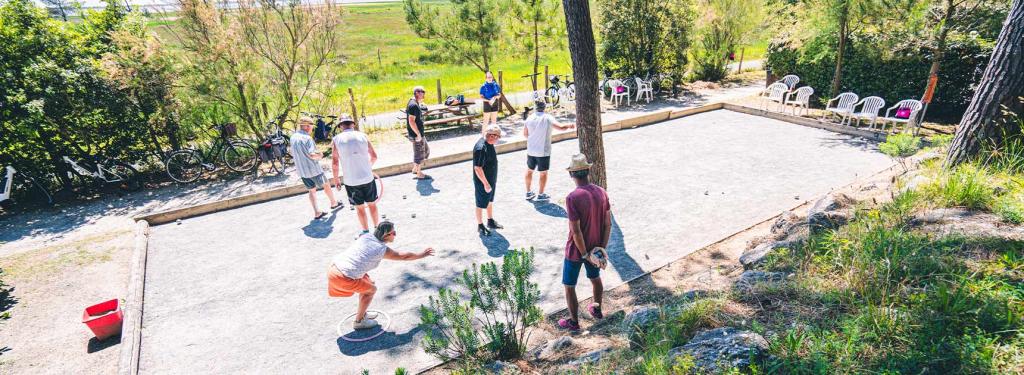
(595,311)
(568,324)
(425,177)
(320,216)
(337,206)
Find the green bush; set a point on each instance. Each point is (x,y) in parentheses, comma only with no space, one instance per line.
(492,324)
(1010,208)
(894,75)
(900,146)
(964,186)
(641,37)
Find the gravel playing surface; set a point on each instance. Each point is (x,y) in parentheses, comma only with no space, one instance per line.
(246,289)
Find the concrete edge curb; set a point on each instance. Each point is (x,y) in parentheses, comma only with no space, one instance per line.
(167,216)
(849,130)
(131,331)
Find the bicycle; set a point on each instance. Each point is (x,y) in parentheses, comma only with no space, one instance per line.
(105,170)
(556,90)
(9,183)
(274,148)
(187,165)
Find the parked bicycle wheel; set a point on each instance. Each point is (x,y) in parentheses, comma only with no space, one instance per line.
(184,166)
(552,96)
(128,176)
(239,156)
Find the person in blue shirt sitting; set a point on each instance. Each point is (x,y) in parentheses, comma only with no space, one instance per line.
(490,93)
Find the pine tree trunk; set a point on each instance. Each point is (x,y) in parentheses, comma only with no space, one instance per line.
(582,49)
(837,77)
(1001,83)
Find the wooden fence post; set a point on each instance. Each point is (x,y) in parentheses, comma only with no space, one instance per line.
(439,100)
(739,67)
(352,101)
(546,81)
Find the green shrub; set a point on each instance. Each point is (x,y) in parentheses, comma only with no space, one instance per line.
(964,186)
(492,324)
(1010,208)
(900,146)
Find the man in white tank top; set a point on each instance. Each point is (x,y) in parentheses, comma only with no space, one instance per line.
(354,152)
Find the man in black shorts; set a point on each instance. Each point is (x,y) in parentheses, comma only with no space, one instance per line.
(538,147)
(354,152)
(414,130)
(485,176)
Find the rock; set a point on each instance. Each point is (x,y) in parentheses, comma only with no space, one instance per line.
(552,347)
(638,321)
(721,349)
(753,257)
(825,213)
(501,367)
(693,295)
(749,279)
(591,357)
(786,221)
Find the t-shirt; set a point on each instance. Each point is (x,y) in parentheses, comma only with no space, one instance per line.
(413,109)
(354,152)
(361,257)
(589,205)
(485,156)
(489,90)
(302,146)
(538,143)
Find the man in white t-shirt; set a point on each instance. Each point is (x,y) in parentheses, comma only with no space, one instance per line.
(348,273)
(355,153)
(538,147)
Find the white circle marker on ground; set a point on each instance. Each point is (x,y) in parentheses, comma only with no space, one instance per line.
(383,327)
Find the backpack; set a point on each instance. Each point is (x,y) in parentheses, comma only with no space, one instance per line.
(903,112)
(322,132)
(455,100)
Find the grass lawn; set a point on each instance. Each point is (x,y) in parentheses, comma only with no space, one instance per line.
(385,85)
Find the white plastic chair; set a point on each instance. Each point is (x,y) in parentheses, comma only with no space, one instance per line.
(6,182)
(843,108)
(869,108)
(616,95)
(775,92)
(790,80)
(644,90)
(915,109)
(802,100)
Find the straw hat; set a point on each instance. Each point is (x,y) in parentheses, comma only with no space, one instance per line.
(579,163)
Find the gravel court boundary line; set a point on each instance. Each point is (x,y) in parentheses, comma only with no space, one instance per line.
(131,331)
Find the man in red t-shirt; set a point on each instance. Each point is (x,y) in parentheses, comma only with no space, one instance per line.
(590,225)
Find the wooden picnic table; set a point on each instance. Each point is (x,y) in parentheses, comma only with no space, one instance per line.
(439,114)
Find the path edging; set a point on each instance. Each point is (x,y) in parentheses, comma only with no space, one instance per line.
(168,216)
(131,331)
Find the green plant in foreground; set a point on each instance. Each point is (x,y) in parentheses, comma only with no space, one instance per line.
(502,302)
(965,186)
(1010,209)
(900,146)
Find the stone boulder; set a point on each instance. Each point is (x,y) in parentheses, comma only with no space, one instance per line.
(749,279)
(753,257)
(551,349)
(721,349)
(785,223)
(638,322)
(590,357)
(829,212)
(502,367)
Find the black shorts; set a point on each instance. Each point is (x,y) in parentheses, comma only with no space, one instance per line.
(362,194)
(488,108)
(483,198)
(539,163)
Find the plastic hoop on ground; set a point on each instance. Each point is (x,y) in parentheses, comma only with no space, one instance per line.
(383,327)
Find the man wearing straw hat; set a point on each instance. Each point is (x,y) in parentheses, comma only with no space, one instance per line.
(590,226)
(485,176)
(307,164)
(355,153)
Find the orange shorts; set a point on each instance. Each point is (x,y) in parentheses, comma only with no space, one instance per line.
(339,285)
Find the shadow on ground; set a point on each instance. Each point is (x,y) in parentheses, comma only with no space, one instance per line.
(386,341)
(96,345)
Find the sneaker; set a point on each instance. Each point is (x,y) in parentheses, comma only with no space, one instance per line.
(494,224)
(595,311)
(483,230)
(366,323)
(370,315)
(568,324)
(543,197)
(530,195)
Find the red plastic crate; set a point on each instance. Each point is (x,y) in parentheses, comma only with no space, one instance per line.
(104,319)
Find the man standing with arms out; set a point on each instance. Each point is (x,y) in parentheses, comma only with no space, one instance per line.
(590,225)
(538,147)
(414,128)
(490,92)
(306,156)
(355,153)
(485,176)
(347,274)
